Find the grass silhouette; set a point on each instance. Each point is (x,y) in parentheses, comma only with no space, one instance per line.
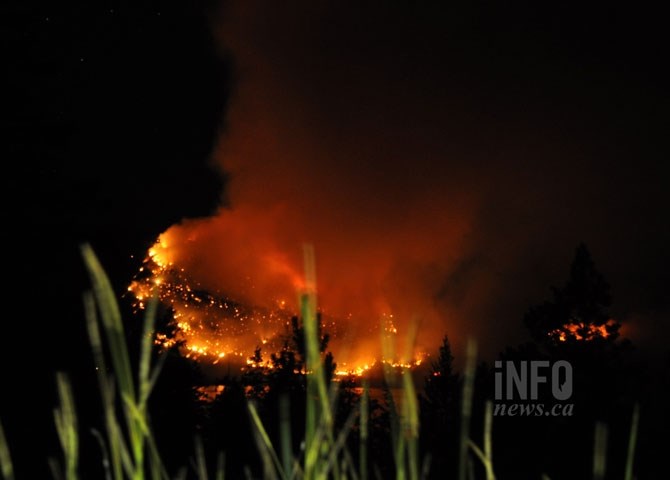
(129,449)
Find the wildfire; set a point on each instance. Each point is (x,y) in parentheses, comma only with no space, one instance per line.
(582,331)
(211,327)
(363,369)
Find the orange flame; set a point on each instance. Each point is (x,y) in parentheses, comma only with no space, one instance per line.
(211,327)
(581,331)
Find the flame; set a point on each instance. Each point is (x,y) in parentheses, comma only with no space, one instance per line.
(211,327)
(581,331)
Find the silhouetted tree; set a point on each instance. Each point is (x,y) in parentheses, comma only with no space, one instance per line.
(284,379)
(577,311)
(289,364)
(229,429)
(576,326)
(440,413)
(441,384)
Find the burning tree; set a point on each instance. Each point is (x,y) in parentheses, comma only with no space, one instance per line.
(578,311)
(575,325)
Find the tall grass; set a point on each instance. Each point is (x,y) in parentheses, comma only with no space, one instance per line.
(129,450)
(404,421)
(66,426)
(325,454)
(129,438)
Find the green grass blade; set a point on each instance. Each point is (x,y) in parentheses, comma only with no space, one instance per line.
(632,441)
(95,340)
(466,407)
(339,445)
(221,466)
(410,407)
(285,435)
(105,385)
(481,455)
(319,416)
(364,431)
(111,320)
(66,426)
(6,465)
(488,450)
(144,380)
(410,418)
(200,463)
(124,454)
(600,451)
(157,468)
(390,380)
(118,349)
(116,341)
(142,421)
(265,447)
(155,373)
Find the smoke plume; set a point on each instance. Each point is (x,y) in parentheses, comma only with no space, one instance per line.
(441,181)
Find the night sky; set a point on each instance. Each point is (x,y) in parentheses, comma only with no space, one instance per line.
(110,112)
(443,158)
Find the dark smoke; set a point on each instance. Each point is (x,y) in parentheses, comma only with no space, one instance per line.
(444,163)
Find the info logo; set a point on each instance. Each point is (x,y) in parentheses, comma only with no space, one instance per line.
(522,380)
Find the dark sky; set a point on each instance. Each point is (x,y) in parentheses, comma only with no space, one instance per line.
(109,113)
(451,154)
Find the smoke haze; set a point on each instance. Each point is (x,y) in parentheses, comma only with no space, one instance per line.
(443,175)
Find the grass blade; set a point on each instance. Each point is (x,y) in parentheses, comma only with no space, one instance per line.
(632,441)
(66,426)
(410,419)
(600,451)
(466,407)
(200,463)
(285,434)
(488,421)
(221,466)
(6,465)
(111,320)
(363,432)
(265,444)
(145,378)
(105,386)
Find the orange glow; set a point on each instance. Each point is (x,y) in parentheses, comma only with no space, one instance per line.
(581,331)
(212,328)
(209,393)
(386,239)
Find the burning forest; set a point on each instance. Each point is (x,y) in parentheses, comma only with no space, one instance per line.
(212,328)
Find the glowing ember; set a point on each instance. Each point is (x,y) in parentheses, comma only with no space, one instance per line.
(582,331)
(361,370)
(211,327)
